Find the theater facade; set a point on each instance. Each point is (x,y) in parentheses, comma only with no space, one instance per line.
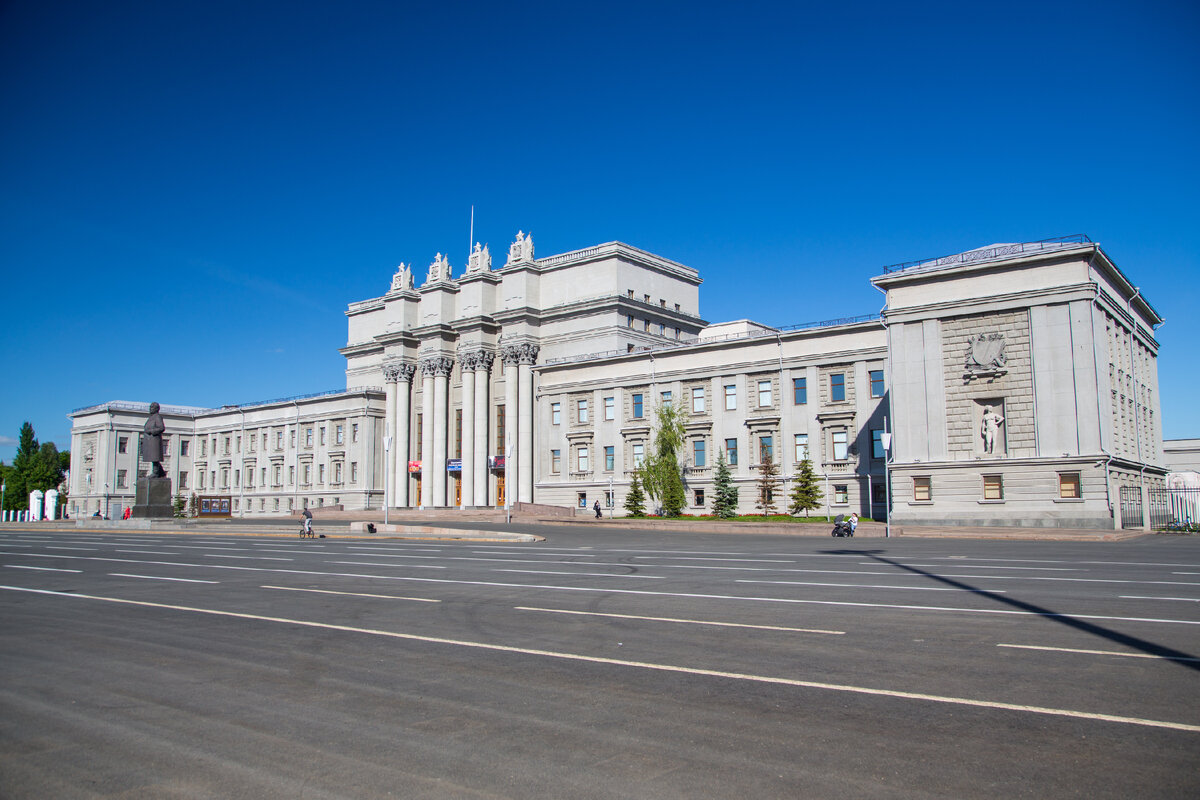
(1015,384)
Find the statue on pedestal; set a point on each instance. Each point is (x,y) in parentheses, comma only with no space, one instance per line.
(152,443)
(990,428)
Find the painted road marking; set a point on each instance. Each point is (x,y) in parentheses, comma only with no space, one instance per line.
(1098,652)
(1141,597)
(353,594)
(687,621)
(377,564)
(42,569)
(146,552)
(590,574)
(249,558)
(877,586)
(158,578)
(740,676)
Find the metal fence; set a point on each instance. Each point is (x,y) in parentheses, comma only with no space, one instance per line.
(1169,508)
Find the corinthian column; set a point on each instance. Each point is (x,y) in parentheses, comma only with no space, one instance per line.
(399,428)
(481,427)
(426,433)
(439,368)
(466,361)
(512,357)
(391,372)
(529,353)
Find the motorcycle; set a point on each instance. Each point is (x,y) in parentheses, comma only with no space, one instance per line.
(841,527)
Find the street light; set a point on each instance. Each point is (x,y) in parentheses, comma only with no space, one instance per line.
(387,472)
(885,439)
(106,499)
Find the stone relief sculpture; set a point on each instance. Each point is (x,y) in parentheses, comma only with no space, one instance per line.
(403,279)
(480,261)
(439,270)
(990,428)
(986,356)
(521,249)
(152,443)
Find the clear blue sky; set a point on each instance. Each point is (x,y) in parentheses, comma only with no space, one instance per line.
(191,192)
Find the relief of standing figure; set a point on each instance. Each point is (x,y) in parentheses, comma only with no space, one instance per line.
(990,428)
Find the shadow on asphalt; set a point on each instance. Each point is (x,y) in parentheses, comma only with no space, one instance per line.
(1183,659)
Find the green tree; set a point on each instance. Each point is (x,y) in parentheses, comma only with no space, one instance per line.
(193,505)
(47,471)
(725,494)
(768,479)
(635,500)
(806,491)
(180,505)
(23,467)
(661,472)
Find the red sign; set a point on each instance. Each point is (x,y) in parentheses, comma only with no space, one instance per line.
(414,466)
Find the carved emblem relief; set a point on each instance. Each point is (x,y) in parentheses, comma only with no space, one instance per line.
(521,249)
(986,356)
(480,260)
(439,270)
(403,279)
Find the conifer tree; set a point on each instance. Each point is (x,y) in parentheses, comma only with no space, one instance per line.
(806,491)
(768,479)
(635,500)
(725,494)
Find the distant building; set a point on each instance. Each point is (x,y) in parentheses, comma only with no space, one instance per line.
(1018,383)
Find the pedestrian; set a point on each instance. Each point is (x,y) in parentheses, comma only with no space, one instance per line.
(853,522)
(596,508)
(307,523)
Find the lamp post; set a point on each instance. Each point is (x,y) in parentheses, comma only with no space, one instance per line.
(612,497)
(508,487)
(106,499)
(885,439)
(387,474)
(3,487)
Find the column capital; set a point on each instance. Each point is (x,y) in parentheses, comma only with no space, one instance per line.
(394,371)
(523,353)
(437,366)
(476,358)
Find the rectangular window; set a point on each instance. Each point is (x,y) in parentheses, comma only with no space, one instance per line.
(321,473)
(877,451)
(262,476)
(278,440)
(876,377)
(584,463)
(610,408)
(610,457)
(278,475)
(555,461)
(420,439)
(183,476)
(322,436)
(840,449)
(291,475)
(801,447)
(227,445)
(239,444)
(354,472)
(730,397)
(993,487)
(698,497)
(337,472)
(766,449)
(121,478)
(339,435)
(307,474)
(698,401)
(183,447)
(354,432)
(1068,485)
(583,410)
(458,433)
(500,443)
(800,391)
(639,454)
(731,451)
(841,495)
(308,437)
(292,438)
(878,494)
(637,406)
(202,481)
(582,499)
(764,394)
(122,444)
(203,448)
(237,478)
(666,399)
(837,387)
(698,453)
(556,413)
(922,489)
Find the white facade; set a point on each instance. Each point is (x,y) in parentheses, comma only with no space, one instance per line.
(537,382)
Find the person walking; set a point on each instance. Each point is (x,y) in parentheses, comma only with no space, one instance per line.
(596,508)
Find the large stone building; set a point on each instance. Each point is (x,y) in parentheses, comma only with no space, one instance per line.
(1017,384)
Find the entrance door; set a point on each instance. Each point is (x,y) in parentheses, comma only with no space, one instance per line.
(417,494)
(457,491)
(499,490)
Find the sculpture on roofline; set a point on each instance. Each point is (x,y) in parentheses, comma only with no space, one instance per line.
(403,279)
(521,249)
(439,270)
(480,261)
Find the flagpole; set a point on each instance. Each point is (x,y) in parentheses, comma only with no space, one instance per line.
(471,243)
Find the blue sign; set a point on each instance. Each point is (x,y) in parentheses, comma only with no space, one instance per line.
(453,465)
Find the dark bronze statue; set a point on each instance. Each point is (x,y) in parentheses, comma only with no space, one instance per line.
(152,443)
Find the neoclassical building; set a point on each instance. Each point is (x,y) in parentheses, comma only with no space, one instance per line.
(1015,384)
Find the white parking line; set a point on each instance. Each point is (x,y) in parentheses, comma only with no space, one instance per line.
(41,569)
(354,594)
(63,547)
(977,566)
(146,552)
(739,676)
(687,621)
(1143,597)
(589,574)
(377,564)
(878,586)
(158,578)
(250,558)
(1097,652)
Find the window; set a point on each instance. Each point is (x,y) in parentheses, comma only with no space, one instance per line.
(555,461)
(1068,485)
(731,451)
(637,406)
(610,408)
(876,377)
(339,435)
(646,325)
(227,443)
(556,413)
(499,430)
(237,478)
(307,474)
(276,503)
(698,497)
(608,500)
(698,400)
(837,387)
(122,444)
(766,449)
(801,447)
(278,440)
(666,399)
(698,453)
(583,410)
(292,438)
(878,494)
(337,472)
(583,461)
(263,477)
(322,436)
(582,499)
(420,439)
(629,322)
(122,478)
(291,475)
(840,449)
(354,432)
(877,450)
(278,475)
(224,478)
(646,298)
(239,444)
(764,394)
(183,447)
(800,391)
(993,487)
(610,457)
(639,454)
(201,481)
(203,448)
(841,496)
(308,439)
(730,397)
(354,472)
(183,476)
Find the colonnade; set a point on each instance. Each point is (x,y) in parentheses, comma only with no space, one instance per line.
(476,366)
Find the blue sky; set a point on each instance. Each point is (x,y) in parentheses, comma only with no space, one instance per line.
(191,192)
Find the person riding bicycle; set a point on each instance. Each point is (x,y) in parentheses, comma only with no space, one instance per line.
(307,522)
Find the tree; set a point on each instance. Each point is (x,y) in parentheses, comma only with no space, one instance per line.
(806,491)
(180,505)
(725,494)
(661,472)
(24,464)
(193,505)
(768,479)
(635,500)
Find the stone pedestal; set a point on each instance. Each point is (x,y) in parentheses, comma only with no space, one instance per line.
(152,499)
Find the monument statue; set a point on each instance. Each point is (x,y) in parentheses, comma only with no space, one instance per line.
(403,279)
(152,443)
(990,428)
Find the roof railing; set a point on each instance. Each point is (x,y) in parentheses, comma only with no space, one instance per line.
(989,253)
